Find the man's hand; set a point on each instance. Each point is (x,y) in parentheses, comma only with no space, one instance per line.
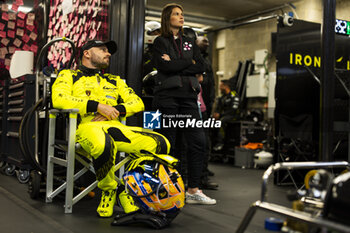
(107,111)
(99,117)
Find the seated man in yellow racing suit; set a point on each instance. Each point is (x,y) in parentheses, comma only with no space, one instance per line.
(102,99)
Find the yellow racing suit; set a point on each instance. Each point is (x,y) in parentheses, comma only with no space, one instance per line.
(83,89)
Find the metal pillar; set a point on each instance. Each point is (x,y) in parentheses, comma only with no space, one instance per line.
(327,81)
(127,19)
(135,44)
(118,22)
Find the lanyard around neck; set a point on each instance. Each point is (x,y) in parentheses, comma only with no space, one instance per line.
(179,50)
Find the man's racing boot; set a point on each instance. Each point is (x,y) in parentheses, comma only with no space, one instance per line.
(105,208)
(127,202)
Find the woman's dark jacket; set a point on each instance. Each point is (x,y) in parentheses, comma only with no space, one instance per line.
(177,76)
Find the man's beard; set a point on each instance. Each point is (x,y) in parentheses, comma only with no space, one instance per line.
(100,64)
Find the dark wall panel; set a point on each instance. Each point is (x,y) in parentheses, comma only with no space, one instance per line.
(127,29)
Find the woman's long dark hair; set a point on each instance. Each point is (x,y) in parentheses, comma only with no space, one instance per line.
(165,19)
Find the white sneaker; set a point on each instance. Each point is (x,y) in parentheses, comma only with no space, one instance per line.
(199,198)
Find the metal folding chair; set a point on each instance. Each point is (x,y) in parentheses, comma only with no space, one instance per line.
(71,148)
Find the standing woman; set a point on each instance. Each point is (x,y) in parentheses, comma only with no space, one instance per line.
(180,65)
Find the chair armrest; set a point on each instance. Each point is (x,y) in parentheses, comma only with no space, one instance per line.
(71,110)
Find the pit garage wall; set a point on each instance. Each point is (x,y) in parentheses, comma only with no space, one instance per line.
(79,21)
(21,28)
(239,44)
(118,20)
(298,93)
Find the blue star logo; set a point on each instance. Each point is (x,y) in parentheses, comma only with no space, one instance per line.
(151,120)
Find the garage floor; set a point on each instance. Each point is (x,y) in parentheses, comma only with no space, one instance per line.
(238,189)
